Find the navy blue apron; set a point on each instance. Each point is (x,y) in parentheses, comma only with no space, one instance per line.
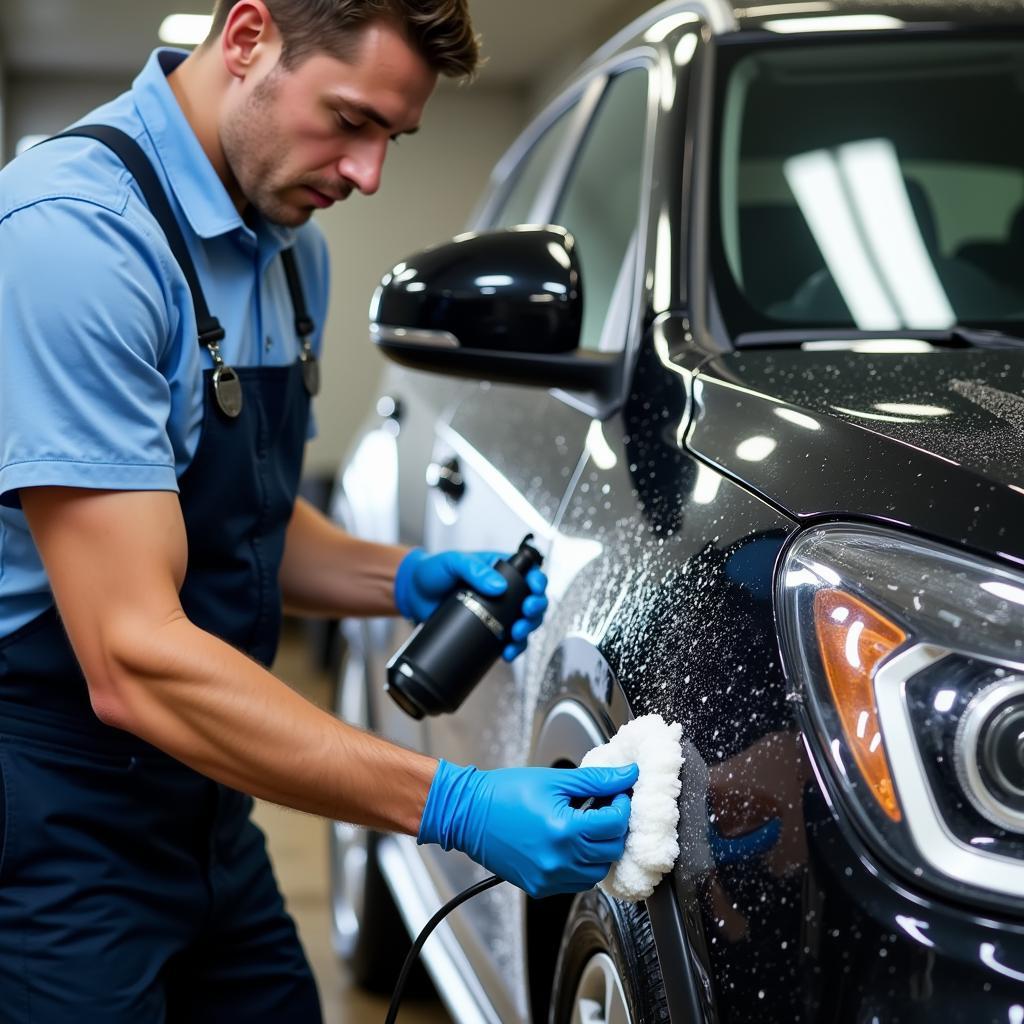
(132,888)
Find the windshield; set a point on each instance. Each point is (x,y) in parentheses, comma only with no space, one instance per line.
(877,186)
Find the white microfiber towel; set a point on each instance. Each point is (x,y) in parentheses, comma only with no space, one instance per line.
(652,845)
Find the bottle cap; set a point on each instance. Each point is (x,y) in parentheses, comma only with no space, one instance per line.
(527,557)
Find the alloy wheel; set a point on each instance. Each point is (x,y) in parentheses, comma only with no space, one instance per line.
(599,996)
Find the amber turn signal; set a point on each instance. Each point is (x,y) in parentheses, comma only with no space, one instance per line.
(853,638)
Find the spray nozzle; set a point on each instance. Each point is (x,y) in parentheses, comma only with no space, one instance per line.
(527,557)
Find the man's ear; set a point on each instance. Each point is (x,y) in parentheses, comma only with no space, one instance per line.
(250,38)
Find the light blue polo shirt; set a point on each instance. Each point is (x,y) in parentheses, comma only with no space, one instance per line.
(100,367)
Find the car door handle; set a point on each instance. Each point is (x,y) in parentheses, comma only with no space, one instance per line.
(447,478)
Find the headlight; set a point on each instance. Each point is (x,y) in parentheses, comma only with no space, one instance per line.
(909,659)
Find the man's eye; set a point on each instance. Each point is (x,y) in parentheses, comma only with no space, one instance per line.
(346,125)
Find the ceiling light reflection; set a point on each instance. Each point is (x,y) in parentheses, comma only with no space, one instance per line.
(766,10)
(663,264)
(1005,591)
(988,957)
(835,23)
(815,181)
(827,574)
(559,255)
(798,418)
(685,49)
(882,417)
(667,81)
(853,643)
(493,281)
(837,755)
(801,578)
(598,447)
(706,486)
(909,409)
(876,346)
(858,208)
(667,26)
(915,929)
(873,178)
(756,448)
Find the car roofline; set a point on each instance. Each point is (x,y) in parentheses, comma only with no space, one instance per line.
(716,14)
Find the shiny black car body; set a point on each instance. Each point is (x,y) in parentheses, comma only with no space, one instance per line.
(781,498)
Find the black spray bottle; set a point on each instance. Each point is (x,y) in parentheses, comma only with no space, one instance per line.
(437,667)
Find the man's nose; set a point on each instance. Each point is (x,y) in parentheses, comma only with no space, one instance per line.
(363,167)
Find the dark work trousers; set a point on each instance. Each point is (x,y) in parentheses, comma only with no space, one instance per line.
(132,889)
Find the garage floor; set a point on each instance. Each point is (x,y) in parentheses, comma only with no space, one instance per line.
(298,847)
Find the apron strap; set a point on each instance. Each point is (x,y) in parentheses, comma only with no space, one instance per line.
(131,154)
(304,325)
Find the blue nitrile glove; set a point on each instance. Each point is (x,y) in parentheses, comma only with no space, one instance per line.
(520,824)
(423,581)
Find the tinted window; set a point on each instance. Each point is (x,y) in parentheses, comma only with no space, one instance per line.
(877,186)
(601,201)
(529,176)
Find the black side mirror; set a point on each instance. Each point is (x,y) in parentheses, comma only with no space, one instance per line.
(502,305)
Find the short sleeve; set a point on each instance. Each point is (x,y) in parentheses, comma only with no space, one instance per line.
(86,319)
(320,274)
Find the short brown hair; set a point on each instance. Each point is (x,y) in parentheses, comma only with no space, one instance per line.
(441,30)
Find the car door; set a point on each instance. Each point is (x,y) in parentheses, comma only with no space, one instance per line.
(516,452)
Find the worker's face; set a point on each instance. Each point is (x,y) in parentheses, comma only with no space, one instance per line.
(300,139)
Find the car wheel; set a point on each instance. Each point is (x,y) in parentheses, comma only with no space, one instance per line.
(607,970)
(368,933)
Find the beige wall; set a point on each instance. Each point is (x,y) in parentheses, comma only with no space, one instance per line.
(42,105)
(597,32)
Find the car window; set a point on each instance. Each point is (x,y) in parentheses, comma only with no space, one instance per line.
(860,187)
(601,201)
(529,176)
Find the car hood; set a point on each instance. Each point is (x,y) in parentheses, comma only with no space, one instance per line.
(929,440)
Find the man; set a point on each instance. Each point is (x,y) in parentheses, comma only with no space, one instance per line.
(149,532)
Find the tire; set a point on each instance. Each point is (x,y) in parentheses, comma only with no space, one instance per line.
(367,931)
(607,970)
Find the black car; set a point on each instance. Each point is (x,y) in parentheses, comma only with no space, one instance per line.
(737,336)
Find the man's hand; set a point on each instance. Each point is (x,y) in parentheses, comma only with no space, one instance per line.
(520,822)
(423,581)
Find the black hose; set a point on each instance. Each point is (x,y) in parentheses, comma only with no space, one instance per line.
(456,901)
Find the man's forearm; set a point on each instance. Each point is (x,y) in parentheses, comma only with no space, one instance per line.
(327,572)
(206,704)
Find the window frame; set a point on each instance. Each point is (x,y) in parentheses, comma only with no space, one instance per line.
(709,328)
(583,96)
(587,92)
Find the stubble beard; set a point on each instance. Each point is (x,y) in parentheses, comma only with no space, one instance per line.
(254,151)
